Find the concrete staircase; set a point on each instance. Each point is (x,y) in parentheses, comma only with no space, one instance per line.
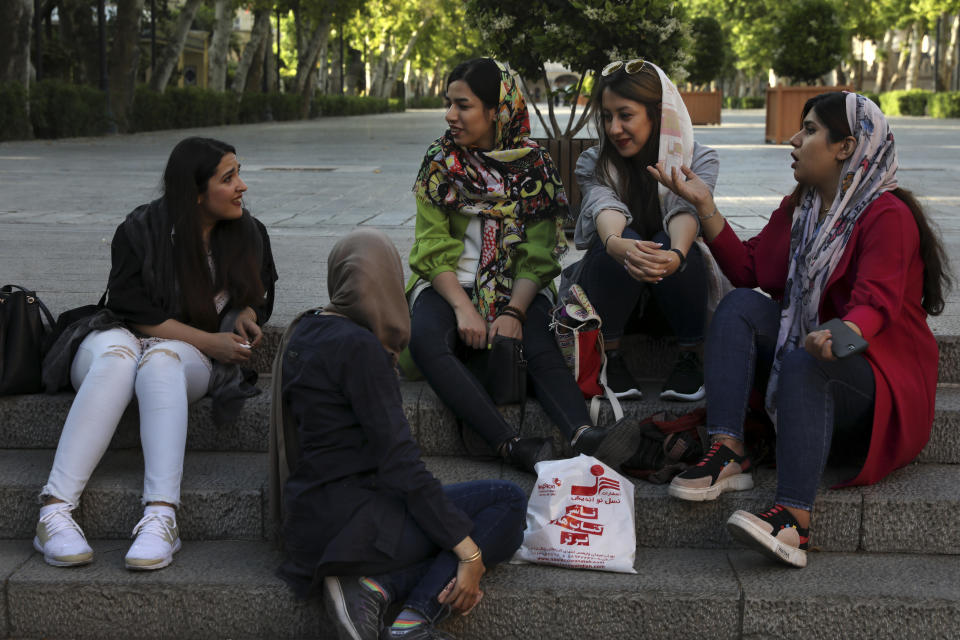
(886,563)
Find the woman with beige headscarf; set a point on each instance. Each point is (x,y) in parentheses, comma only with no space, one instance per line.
(361,513)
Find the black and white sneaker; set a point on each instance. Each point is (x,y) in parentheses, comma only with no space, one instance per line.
(686,380)
(619,378)
(357,611)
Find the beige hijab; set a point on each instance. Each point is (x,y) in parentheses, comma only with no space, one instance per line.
(365,284)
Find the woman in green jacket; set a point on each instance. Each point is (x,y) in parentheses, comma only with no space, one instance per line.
(488,241)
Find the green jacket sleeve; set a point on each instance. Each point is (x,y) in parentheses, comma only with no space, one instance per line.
(436,247)
(533,259)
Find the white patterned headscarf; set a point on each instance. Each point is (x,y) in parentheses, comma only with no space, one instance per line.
(816,249)
(676,131)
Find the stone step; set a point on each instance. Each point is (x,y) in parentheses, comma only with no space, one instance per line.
(228,589)
(225,497)
(646,356)
(222,495)
(35,421)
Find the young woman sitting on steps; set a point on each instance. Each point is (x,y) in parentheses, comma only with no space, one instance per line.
(191,282)
(640,238)
(488,240)
(849,244)
(363,515)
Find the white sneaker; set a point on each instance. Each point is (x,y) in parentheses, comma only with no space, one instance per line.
(157,540)
(59,538)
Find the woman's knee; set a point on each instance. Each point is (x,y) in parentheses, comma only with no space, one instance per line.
(799,371)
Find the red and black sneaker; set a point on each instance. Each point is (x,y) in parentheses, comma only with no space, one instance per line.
(775,533)
(718,471)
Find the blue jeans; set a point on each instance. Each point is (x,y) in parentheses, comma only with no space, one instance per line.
(682,297)
(435,344)
(818,403)
(497,508)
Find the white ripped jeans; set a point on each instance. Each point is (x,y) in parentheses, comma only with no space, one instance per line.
(109,367)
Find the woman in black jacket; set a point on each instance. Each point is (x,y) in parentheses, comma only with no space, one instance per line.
(191,281)
(362,513)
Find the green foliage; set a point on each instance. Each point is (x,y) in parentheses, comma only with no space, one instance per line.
(873,96)
(179,108)
(426,102)
(583,35)
(904,103)
(707,51)
(337,105)
(746,102)
(14,121)
(945,105)
(811,40)
(61,110)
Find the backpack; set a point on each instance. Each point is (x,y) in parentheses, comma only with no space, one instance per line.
(576,327)
(669,445)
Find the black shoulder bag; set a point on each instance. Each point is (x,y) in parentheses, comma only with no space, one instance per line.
(22,339)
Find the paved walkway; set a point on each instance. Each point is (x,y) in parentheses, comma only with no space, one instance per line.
(311,182)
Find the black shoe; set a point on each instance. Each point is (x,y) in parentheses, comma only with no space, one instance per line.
(356,611)
(425,631)
(527,452)
(611,445)
(686,379)
(619,378)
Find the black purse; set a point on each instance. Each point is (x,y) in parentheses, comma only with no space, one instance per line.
(502,370)
(22,339)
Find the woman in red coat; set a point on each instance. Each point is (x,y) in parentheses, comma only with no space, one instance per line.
(847,244)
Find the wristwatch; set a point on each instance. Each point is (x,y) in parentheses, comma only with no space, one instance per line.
(683,260)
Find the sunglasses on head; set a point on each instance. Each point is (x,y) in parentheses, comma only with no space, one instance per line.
(630,66)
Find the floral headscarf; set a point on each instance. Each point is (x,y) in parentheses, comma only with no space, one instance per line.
(508,187)
(815,249)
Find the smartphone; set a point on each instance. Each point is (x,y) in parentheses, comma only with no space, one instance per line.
(845,341)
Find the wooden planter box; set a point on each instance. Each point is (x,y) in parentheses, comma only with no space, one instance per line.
(703,106)
(565,152)
(785,106)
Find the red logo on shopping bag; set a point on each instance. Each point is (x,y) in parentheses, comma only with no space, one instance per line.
(599,484)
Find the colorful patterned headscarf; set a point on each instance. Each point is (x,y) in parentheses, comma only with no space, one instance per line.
(508,187)
(816,249)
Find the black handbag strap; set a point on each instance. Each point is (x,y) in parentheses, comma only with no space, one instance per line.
(8,288)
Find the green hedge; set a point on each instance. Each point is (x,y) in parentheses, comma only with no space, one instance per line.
(905,103)
(337,105)
(62,110)
(945,105)
(746,102)
(426,102)
(14,121)
(873,96)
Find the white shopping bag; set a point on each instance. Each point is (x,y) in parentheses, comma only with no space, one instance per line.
(580,516)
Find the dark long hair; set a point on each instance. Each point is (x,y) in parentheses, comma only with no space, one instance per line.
(633,183)
(482,75)
(831,109)
(235,245)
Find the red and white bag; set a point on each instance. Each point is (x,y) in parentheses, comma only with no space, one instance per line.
(576,326)
(580,516)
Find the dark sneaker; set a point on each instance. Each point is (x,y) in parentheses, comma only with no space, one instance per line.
(611,445)
(718,471)
(619,378)
(686,380)
(357,612)
(424,631)
(775,533)
(525,453)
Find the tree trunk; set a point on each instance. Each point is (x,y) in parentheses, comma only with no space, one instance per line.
(883,61)
(393,69)
(16,20)
(949,61)
(261,25)
(307,57)
(124,59)
(913,67)
(220,44)
(170,55)
(273,82)
(902,58)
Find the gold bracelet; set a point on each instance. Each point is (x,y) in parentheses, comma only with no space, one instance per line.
(472,558)
(702,218)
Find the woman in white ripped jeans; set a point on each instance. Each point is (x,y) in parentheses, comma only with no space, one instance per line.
(176,312)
